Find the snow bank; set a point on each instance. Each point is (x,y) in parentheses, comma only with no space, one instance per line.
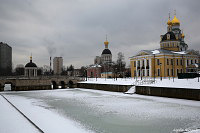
(177,83)
(119,81)
(131,90)
(166,82)
(194,131)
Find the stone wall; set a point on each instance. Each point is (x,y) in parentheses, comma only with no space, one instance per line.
(182,93)
(105,87)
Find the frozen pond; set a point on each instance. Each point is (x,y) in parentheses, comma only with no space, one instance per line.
(110,112)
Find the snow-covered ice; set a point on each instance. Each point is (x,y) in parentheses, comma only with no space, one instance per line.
(11,121)
(85,110)
(48,121)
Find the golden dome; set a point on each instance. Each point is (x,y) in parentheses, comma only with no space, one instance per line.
(169,22)
(175,21)
(106,42)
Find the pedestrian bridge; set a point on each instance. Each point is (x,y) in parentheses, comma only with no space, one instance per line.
(39,83)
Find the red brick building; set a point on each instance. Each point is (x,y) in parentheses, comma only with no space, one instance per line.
(94,71)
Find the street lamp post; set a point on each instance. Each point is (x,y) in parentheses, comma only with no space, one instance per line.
(96,72)
(154,69)
(86,73)
(160,72)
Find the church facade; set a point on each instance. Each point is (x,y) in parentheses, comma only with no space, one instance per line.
(171,58)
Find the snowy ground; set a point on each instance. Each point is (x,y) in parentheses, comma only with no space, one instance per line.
(166,82)
(83,110)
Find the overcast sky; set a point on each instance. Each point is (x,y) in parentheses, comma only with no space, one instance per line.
(76,29)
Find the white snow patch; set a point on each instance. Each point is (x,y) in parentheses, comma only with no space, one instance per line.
(155,51)
(131,90)
(182,52)
(176,83)
(194,131)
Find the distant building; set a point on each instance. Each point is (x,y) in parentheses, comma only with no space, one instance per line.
(5,59)
(19,70)
(172,58)
(107,75)
(94,71)
(31,69)
(57,65)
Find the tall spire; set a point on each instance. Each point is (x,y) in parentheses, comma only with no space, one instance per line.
(31,58)
(175,21)
(169,22)
(106,42)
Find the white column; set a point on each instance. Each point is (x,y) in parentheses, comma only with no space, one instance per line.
(150,73)
(145,64)
(136,68)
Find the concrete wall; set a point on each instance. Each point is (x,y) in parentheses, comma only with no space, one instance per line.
(38,83)
(182,93)
(105,87)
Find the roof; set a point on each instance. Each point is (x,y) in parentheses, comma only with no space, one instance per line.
(161,51)
(172,36)
(30,64)
(106,51)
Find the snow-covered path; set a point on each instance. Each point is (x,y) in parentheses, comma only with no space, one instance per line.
(82,110)
(11,121)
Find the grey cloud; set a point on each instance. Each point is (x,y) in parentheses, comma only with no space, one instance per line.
(76,29)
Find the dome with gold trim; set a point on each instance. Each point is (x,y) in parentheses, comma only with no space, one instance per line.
(106,42)
(169,22)
(175,21)
(31,64)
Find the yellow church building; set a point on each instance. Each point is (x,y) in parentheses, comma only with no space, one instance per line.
(171,58)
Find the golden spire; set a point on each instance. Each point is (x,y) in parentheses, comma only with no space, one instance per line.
(106,42)
(169,22)
(31,57)
(175,21)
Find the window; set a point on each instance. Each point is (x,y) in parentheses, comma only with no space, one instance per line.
(191,61)
(177,71)
(142,62)
(134,63)
(177,62)
(167,61)
(195,61)
(181,70)
(158,62)
(168,36)
(143,72)
(168,73)
(138,63)
(181,61)
(138,72)
(135,73)
(147,72)
(172,72)
(187,62)
(147,62)
(172,62)
(158,72)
